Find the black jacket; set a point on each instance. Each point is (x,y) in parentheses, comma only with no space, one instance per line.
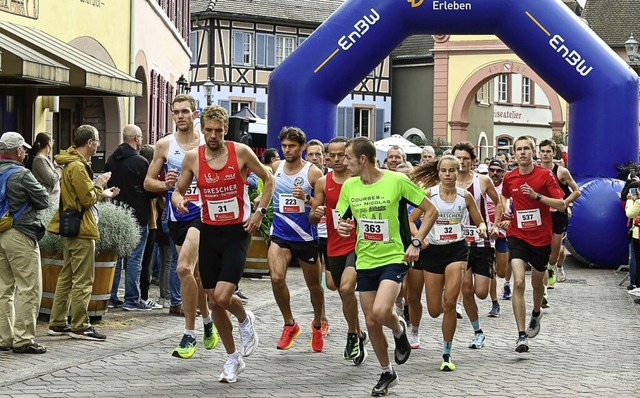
(128,169)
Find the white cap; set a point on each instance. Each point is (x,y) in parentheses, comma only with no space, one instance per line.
(12,140)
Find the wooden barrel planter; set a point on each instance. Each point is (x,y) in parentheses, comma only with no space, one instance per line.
(256,263)
(105,266)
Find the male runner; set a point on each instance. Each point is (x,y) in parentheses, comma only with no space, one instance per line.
(479,272)
(183,228)
(560,219)
(220,169)
(293,236)
(533,190)
(341,257)
(377,200)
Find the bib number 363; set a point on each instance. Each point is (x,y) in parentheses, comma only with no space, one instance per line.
(374,230)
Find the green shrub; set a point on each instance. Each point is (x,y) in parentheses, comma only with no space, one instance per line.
(117,226)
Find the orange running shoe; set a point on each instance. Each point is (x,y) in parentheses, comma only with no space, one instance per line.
(317,341)
(288,336)
(324,326)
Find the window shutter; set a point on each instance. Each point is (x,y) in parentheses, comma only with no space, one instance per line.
(379,124)
(340,122)
(271,51)
(261,109)
(260,50)
(349,122)
(238,51)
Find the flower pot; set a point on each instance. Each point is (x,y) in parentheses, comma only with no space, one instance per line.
(256,262)
(105,265)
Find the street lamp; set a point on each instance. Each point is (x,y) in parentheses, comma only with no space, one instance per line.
(208,90)
(631,47)
(387,127)
(182,84)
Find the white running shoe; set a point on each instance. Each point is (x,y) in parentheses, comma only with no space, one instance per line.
(249,336)
(231,370)
(414,339)
(459,310)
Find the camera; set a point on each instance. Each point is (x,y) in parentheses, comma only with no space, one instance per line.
(633,191)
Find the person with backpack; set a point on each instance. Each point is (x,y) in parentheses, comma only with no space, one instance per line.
(20,230)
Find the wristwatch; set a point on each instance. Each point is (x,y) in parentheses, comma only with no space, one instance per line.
(415,242)
(538,197)
(262,211)
(307,197)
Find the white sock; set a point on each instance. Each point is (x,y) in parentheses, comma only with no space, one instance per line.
(207,320)
(191,333)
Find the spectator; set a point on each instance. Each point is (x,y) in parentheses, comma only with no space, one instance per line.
(43,168)
(79,192)
(129,171)
(20,272)
(482,169)
(428,153)
(146,151)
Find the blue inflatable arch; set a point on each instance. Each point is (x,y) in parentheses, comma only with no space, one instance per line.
(601,88)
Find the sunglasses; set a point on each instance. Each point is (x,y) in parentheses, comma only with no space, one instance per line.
(495,170)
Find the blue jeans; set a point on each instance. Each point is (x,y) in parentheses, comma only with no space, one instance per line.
(174,280)
(132,274)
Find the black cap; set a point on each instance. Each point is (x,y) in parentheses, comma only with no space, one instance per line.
(497,162)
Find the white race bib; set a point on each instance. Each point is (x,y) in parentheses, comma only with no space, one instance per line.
(335,214)
(192,194)
(290,204)
(446,232)
(223,210)
(528,218)
(471,233)
(374,230)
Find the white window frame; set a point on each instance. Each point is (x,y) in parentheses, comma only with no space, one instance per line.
(358,111)
(285,45)
(246,47)
(526,90)
(503,88)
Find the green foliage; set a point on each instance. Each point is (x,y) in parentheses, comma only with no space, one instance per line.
(117,226)
(416,139)
(440,145)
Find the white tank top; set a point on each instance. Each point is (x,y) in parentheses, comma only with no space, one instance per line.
(175,156)
(448,227)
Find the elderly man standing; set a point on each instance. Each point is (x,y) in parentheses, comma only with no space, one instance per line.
(79,192)
(129,170)
(20,272)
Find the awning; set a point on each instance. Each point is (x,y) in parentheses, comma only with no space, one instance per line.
(88,75)
(21,62)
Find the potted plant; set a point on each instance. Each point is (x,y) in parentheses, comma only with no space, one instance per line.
(119,235)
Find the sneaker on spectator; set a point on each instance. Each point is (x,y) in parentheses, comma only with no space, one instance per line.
(33,348)
(115,303)
(243,297)
(631,287)
(89,333)
(166,303)
(59,330)
(560,275)
(495,310)
(139,306)
(153,305)
(288,336)
(232,369)
(635,292)
(506,292)
(176,309)
(154,281)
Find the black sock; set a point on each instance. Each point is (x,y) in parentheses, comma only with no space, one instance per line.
(446,357)
(478,331)
(535,314)
(522,334)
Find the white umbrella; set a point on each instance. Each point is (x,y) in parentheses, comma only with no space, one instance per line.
(407,146)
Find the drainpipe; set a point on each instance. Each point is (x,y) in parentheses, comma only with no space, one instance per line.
(132,59)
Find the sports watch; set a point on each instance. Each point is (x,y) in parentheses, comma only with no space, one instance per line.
(416,242)
(262,211)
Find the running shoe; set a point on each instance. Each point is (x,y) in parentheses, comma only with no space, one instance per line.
(551,277)
(414,340)
(478,341)
(447,365)
(561,276)
(89,333)
(210,337)
(243,297)
(403,348)
(317,341)
(352,348)
(324,326)
(522,345)
(495,310)
(534,326)
(363,340)
(231,370)
(187,347)
(249,336)
(545,301)
(288,336)
(459,310)
(386,381)
(506,292)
